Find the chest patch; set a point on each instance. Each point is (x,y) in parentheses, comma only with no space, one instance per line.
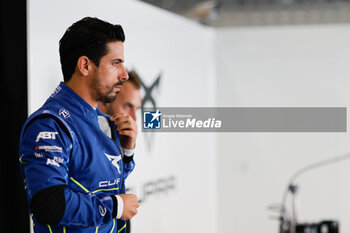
(114,160)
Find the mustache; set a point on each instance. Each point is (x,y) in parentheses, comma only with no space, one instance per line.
(120,83)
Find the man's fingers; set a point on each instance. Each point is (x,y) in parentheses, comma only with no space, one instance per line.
(127,125)
(119,117)
(124,125)
(128,133)
(127,128)
(125,122)
(130,206)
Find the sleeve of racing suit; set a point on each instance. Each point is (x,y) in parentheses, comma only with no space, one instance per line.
(128,161)
(128,155)
(129,165)
(45,152)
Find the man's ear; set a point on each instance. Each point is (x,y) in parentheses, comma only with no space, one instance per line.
(83,65)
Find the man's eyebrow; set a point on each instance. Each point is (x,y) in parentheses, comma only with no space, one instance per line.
(118,60)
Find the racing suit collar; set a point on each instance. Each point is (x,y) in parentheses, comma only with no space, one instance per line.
(77,102)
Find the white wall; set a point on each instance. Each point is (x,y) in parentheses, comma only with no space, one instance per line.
(156,41)
(290,66)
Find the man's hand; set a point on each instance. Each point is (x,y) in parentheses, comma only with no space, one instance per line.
(130,206)
(127,129)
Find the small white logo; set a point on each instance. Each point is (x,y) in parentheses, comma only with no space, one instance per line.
(114,159)
(58,89)
(46,135)
(106,183)
(64,112)
(52,162)
(49,148)
(38,155)
(102,210)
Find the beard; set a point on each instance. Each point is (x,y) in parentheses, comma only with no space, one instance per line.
(105,94)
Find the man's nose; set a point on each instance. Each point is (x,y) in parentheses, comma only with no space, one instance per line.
(132,113)
(124,74)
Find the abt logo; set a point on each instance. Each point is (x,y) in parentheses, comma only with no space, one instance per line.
(46,135)
(152,120)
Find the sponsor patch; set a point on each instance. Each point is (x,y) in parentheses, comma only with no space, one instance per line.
(64,113)
(46,135)
(102,210)
(49,148)
(52,162)
(114,159)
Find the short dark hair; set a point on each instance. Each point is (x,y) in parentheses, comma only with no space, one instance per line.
(87,37)
(135,79)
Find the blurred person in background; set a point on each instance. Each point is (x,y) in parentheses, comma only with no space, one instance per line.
(128,101)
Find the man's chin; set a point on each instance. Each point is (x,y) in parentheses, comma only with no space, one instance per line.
(109,99)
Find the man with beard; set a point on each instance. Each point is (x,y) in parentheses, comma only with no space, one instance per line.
(74,173)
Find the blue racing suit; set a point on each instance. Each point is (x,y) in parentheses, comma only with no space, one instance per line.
(72,170)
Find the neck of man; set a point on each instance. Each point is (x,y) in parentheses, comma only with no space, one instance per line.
(81,86)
